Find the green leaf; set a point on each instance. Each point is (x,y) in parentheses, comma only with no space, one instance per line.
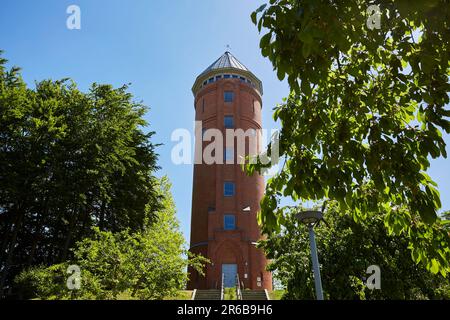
(434,266)
(306,50)
(265,40)
(280,74)
(255,13)
(253,16)
(306,89)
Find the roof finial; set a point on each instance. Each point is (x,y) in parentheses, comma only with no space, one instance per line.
(228,48)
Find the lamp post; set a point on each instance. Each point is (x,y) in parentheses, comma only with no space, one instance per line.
(311,219)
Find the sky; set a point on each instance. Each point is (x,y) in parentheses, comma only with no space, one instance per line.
(159,47)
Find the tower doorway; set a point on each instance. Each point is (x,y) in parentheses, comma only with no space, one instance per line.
(229,272)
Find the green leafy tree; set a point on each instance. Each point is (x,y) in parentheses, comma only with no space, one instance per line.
(365,112)
(50,283)
(346,249)
(69,161)
(148,264)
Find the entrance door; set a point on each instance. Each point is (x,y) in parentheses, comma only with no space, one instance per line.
(229,275)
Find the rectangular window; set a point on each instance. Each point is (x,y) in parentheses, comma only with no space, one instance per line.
(228,122)
(228,155)
(227,76)
(235,76)
(228,189)
(229,222)
(228,96)
(210,80)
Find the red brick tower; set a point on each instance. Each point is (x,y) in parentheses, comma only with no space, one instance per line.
(225,200)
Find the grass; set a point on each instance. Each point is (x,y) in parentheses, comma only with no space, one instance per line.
(181,295)
(276,294)
(126,295)
(229,294)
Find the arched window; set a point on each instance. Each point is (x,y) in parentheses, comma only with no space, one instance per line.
(229,222)
(228,96)
(228,122)
(228,189)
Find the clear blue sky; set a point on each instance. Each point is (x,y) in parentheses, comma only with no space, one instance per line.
(157,46)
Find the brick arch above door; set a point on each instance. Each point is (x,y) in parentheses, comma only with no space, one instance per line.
(228,251)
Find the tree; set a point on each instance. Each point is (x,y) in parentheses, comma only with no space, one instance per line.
(365,112)
(346,249)
(69,161)
(147,264)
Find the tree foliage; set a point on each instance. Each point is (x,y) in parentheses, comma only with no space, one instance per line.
(346,249)
(147,264)
(365,112)
(69,161)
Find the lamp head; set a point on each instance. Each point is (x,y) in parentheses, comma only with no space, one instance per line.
(309,217)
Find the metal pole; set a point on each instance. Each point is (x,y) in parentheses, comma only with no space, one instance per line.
(315,263)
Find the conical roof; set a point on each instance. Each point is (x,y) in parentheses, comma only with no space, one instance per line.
(227,64)
(227,60)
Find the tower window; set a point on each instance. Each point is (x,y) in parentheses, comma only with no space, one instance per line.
(228,155)
(228,122)
(210,80)
(229,222)
(228,96)
(235,76)
(228,189)
(227,76)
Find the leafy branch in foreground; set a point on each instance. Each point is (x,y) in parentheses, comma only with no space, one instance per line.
(365,112)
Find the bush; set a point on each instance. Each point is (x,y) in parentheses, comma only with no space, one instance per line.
(50,283)
(149,264)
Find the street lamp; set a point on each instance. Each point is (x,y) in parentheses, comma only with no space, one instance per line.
(311,219)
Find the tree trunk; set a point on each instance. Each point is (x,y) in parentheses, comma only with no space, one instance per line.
(6,233)
(67,242)
(102,216)
(12,245)
(36,237)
